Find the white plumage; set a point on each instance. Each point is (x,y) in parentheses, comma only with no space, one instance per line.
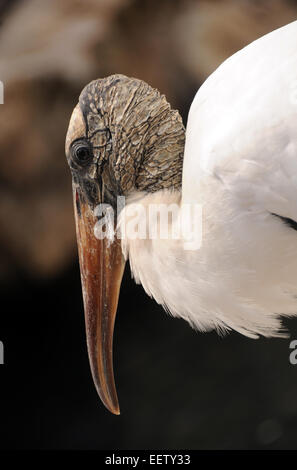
(240,163)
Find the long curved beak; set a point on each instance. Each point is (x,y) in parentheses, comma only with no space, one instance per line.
(101,266)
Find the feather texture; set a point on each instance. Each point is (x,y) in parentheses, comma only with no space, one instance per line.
(240,165)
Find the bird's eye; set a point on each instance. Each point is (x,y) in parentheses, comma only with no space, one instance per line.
(81,152)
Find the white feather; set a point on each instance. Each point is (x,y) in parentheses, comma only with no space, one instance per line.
(240,164)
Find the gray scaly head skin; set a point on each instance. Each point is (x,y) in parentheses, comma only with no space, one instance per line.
(123,137)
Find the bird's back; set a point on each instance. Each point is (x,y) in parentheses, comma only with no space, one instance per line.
(242,124)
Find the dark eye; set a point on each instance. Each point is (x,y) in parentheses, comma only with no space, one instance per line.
(81,152)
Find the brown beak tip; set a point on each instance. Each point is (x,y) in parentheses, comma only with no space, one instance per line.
(113,408)
(110,402)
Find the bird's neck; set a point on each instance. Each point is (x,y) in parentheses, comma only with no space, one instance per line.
(155,237)
(241,277)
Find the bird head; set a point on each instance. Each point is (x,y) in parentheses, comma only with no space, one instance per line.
(123,137)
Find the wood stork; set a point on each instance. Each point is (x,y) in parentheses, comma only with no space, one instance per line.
(238,162)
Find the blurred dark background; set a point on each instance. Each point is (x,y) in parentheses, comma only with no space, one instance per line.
(177,388)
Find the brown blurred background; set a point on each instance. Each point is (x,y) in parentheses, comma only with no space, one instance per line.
(49,49)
